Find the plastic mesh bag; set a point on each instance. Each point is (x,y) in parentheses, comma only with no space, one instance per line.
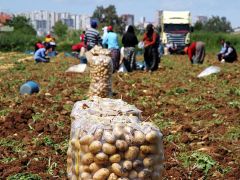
(113,145)
(101,69)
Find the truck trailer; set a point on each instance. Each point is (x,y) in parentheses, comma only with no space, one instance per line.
(175,29)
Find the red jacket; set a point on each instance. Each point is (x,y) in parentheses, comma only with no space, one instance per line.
(149,42)
(192,50)
(77,47)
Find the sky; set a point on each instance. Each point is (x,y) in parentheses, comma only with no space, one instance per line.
(140,8)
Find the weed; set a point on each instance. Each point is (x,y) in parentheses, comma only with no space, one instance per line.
(7,160)
(234,134)
(4,112)
(16,146)
(24,176)
(162,123)
(172,137)
(234,91)
(67,107)
(37,116)
(200,160)
(177,91)
(48,141)
(60,123)
(58,97)
(19,67)
(234,104)
(203,161)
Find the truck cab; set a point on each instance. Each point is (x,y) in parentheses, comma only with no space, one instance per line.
(175,29)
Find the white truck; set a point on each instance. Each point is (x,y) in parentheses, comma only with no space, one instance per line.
(175,29)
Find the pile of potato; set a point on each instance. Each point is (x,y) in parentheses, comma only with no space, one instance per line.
(101,70)
(114,148)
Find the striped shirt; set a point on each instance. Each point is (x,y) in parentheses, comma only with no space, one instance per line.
(92,38)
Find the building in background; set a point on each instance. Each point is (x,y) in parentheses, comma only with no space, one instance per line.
(128,19)
(44,21)
(158,16)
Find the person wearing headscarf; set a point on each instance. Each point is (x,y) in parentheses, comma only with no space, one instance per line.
(196,52)
(129,41)
(112,44)
(92,36)
(151,43)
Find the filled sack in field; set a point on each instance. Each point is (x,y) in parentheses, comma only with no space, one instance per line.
(80,68)
(109,141)
(209,70)
(101,69)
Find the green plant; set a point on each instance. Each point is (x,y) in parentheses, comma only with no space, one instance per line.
(48,141)
(200,160)
(203,161)
(234,91)
(7,160)
(234,134)
(37,116)
(235,104)
(24,176)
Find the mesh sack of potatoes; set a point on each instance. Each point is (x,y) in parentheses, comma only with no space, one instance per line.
(101,69)
(113,147)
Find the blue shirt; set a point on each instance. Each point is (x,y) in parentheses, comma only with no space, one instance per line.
(40,53)
(223,49)
(111,40)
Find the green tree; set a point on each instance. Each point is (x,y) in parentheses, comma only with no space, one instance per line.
(218,24)
(214,24)
(60,29)
(198,26)
(108,16)
(21,24)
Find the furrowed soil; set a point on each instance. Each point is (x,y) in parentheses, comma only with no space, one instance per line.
(199,118)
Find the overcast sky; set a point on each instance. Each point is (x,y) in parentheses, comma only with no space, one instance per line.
(140,8)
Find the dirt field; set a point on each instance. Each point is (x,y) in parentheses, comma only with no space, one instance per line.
(199,118)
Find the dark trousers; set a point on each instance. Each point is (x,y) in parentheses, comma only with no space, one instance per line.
(151,58)
(115,54)
(230,58)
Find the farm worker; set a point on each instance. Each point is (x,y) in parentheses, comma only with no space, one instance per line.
(223,49)
(92,36)
(40,54)
(82,36)
(104,36)
(230,55)
(112,42)
(196,52)
(129,41)
(151,44)
(38,45)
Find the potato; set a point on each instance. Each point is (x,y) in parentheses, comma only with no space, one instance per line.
(109,137)
(101,158)
(139,137)
(84,148)
(115,158)
(129,139)
(133,174)
(144,174)
(86,140)
(151,149)
(95,147)
(137,165)
(94,167)
(108,148)
(127,165)
(128,129)
(121,145)
(131,153)
(98,134)
(101,174)
(75,144)
(84,168)
(86,176)
(149,161)
(152,137)
(118,131)
(123,178)
(87,158)
(112,176)
(118,170)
